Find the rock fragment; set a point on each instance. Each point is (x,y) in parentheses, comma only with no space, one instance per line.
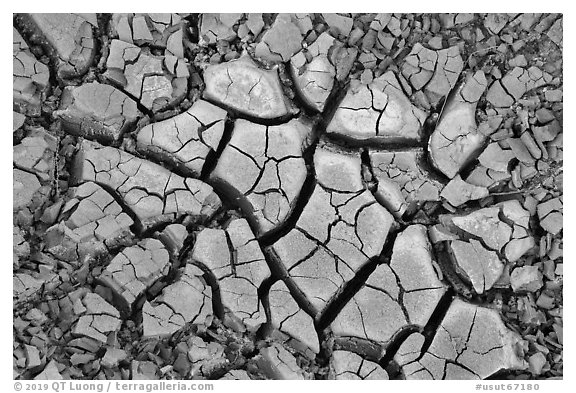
(96,111)
(403,293)
(185,141)
(526,279)
(377,112)
(262,169)
(187,301)
(342,25)
(71,38)
(456,139)
(436,72)
(143,76)
(152,192)
(402,183)
(472,342)
(479,266)
(347,365)
(26,187)
(339,230)
(30,78)
(234,257)
(241,86)
(134,270)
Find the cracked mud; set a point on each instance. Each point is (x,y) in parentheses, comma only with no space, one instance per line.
(287,196)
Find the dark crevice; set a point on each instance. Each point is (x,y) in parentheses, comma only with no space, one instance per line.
(213,156)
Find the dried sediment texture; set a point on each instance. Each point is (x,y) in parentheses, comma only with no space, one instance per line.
(458,192)
(287,316)
(96,111)
(314,72)
(456,140)
(29,80)
(187,301)
(218,27)
(550,214)
(347,365)
(97,318)
(379,112)
(36,153)
(89,222)
(71,38)
(401,180)
(241,86)
(160,30)
(505,92)
(284,38)
(24,286)
(340,229)
(435,72)
(186,140)
(403,293)
(134,270)
(472,342)
(143,76)
(262,169)
(234,257)
(152,192)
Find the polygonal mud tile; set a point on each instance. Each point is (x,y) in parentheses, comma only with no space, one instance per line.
(287,316)
(159,30)
(234,257)
(50,372)
(377,112)
(340,229)
(436,72)
(340,24)
(282,40)
(96,111)
(71,38)
(504,92)
(472,342)
(456,140)
(550,214)
(406,292)
(217,27)
(410,349)
(90,217)
(262,169)
(24,286)
(314,72)
(186,140)
(277,363)
(477,265)
(97,319)
(143,76)
(457,192)
(526,279)
(26,187)
(187,301)
(206,358)
(241,86)
(134,270)
(236,375)
(36,153)
(30,78)
(401,180)
(152,192)
(347,365)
